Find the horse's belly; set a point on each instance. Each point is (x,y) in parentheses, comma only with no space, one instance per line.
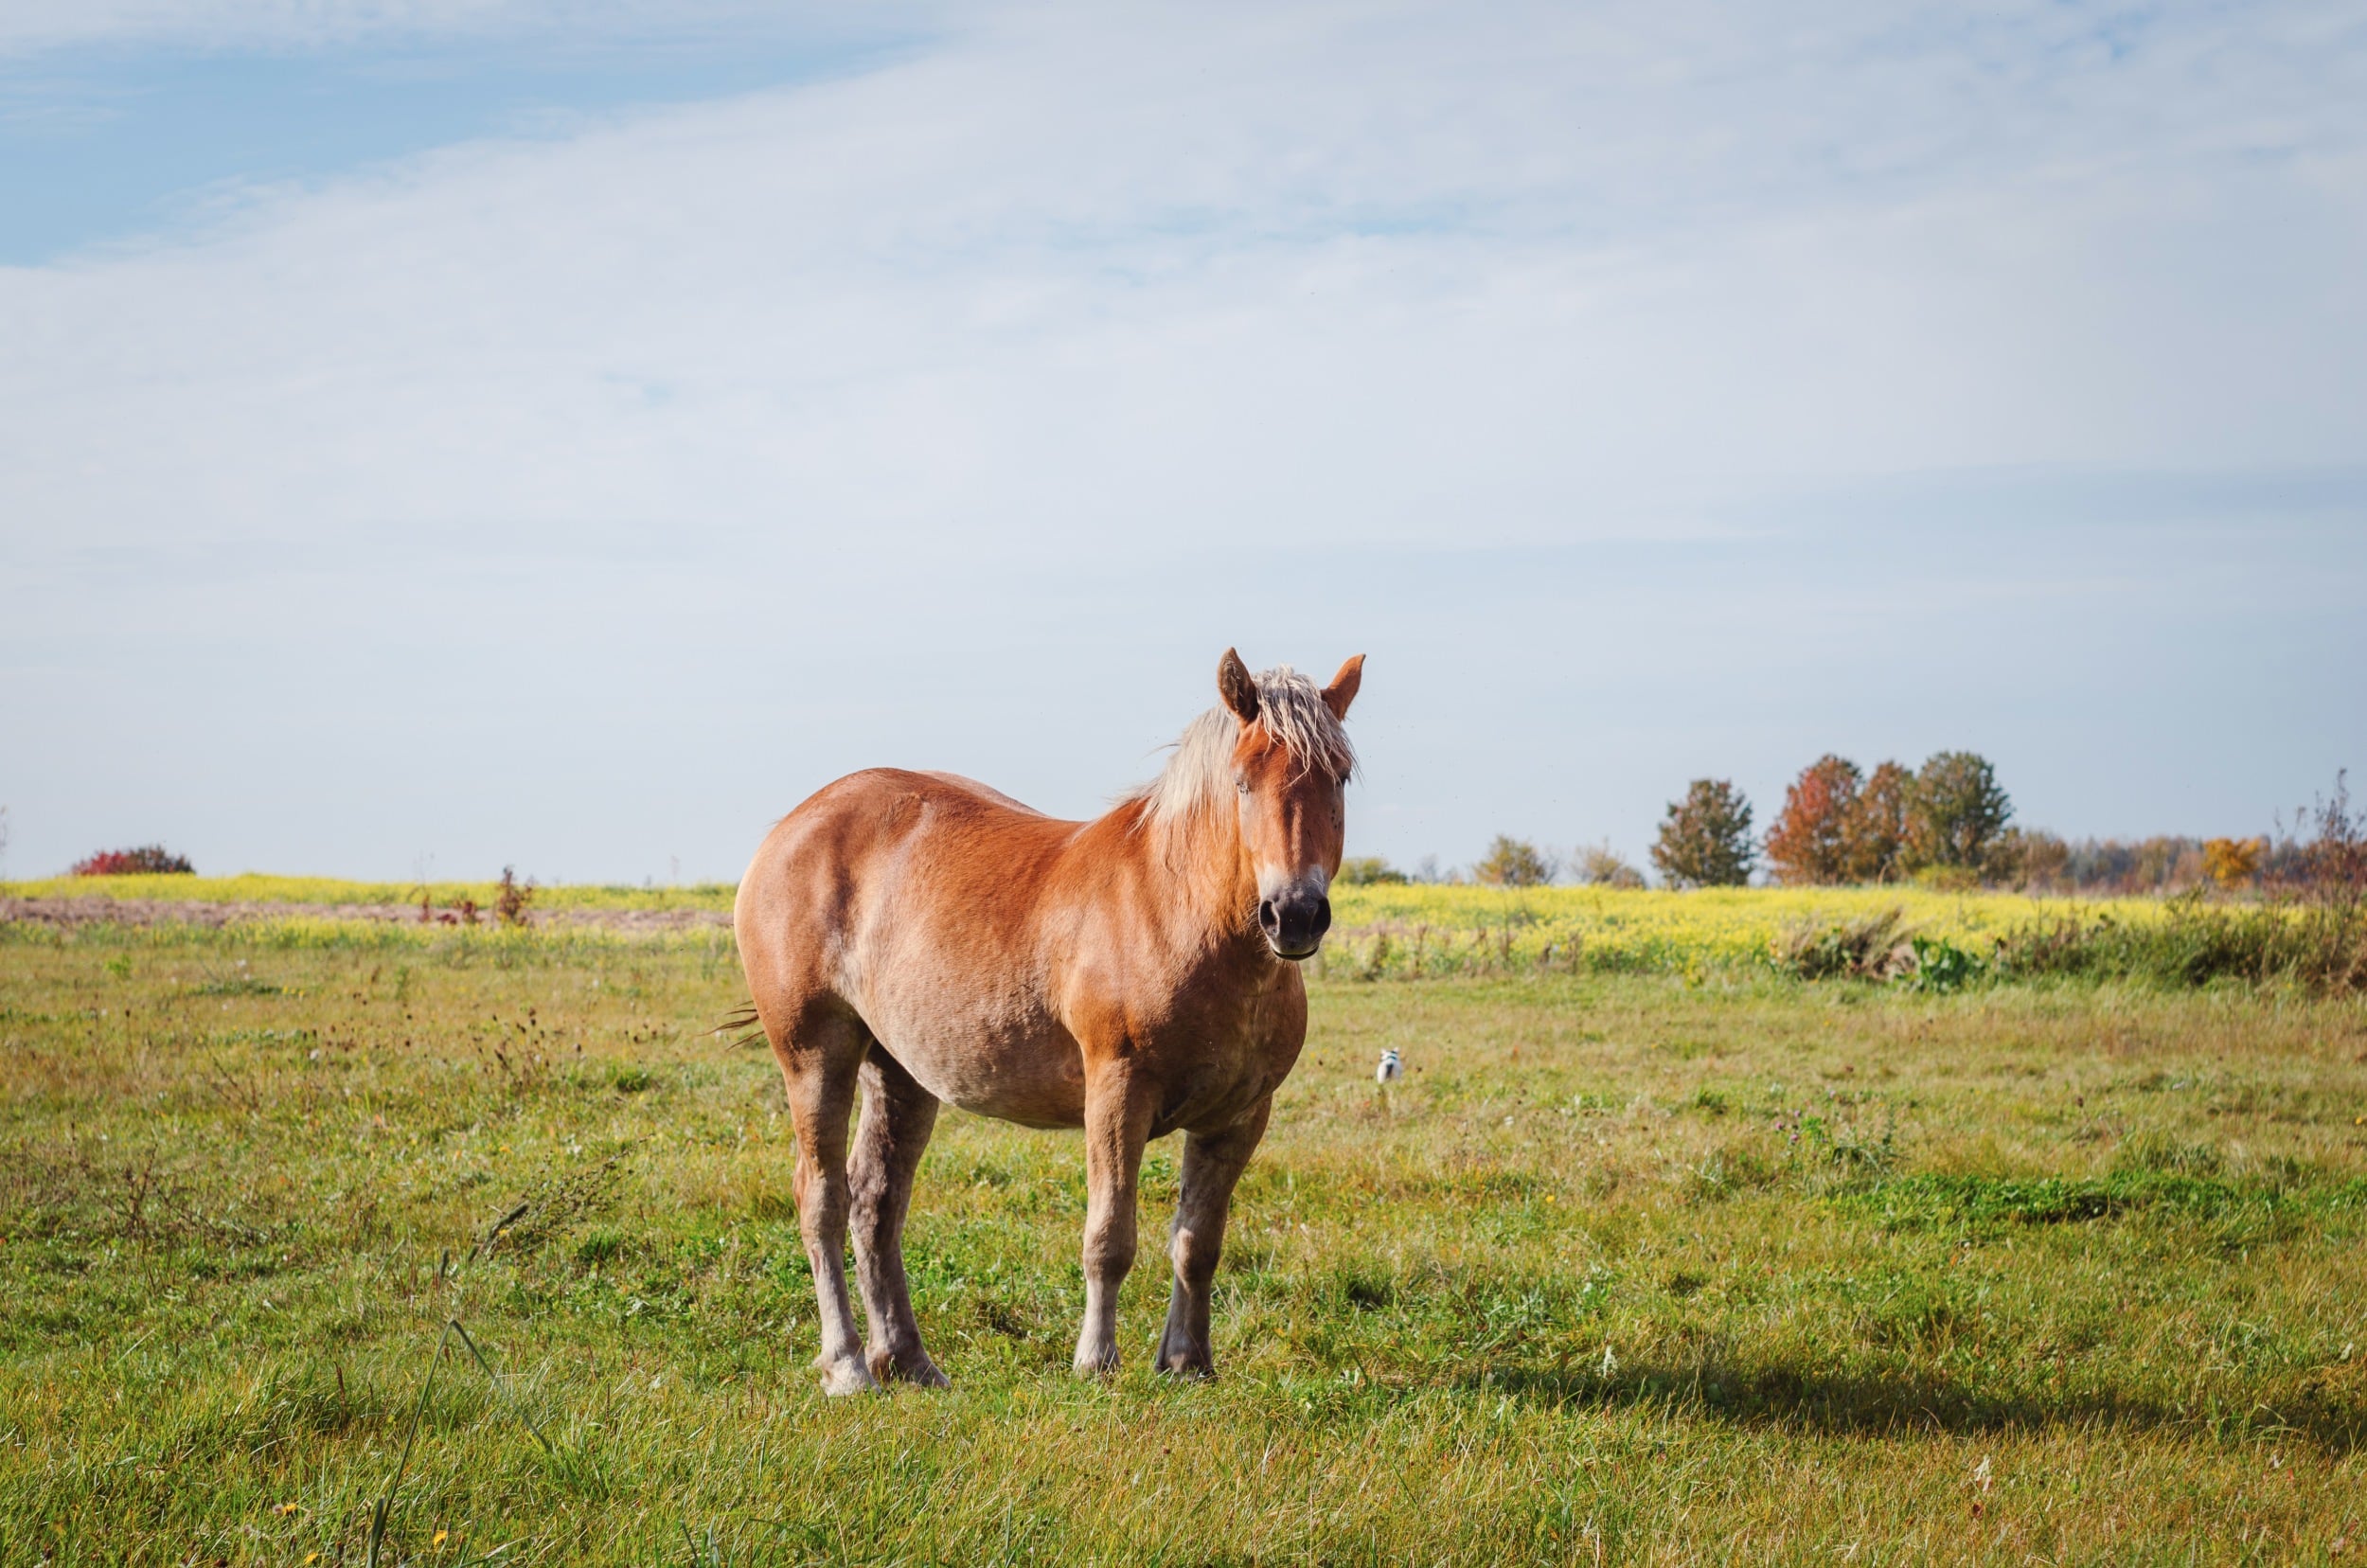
(1033,1077)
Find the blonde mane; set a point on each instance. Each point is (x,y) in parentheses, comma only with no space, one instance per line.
(1198,776)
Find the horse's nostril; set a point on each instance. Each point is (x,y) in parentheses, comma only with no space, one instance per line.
(1322,915)
(1268,917)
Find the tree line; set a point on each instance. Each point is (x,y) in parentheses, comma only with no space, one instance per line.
(1948,822)
(1843,824)
(1951,822)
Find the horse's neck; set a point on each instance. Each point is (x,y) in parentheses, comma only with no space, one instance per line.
(1209,889)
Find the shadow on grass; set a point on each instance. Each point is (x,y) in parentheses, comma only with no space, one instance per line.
(1815,1401)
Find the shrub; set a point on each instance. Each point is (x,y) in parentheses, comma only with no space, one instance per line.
(2322,946)
(148,861)
(2332,864)
(1599,866)
(1513,863)
(1809,842)
(512,898)
(1942,965)
(1871,947)
(1706,839)
(1367,870)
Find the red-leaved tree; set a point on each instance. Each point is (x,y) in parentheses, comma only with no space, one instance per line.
(1874,829)
(148,860)
(1809,842)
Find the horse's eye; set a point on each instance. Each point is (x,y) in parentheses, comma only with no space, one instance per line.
(1240,782)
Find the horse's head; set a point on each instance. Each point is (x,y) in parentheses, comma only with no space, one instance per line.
(1290,770)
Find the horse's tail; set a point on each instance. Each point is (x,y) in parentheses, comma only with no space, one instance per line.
(740,1027)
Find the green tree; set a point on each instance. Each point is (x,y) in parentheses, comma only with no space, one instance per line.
(1956,813)
(1706,839)
(1513,863)
(1364,870)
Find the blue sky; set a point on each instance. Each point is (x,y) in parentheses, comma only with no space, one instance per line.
(112,141)
(491,433)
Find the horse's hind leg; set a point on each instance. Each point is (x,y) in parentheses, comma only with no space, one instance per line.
(898,1118)
(1212,1163)
(819,1055)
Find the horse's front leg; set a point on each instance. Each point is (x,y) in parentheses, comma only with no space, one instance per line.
(1118,1112)
(1213,1161)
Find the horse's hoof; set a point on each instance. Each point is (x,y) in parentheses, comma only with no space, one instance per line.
(840,1378)
(1178,1357)
(916,1369)
(1091,1365)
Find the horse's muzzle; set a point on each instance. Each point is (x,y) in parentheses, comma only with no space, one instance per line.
(1294,923)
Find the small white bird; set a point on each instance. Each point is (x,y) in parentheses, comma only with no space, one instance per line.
(1390,1070)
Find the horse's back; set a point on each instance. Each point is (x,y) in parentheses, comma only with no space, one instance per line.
(984,791)
(877,834)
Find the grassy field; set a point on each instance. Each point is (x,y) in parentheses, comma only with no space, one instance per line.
(1702,1265)
(1395,931)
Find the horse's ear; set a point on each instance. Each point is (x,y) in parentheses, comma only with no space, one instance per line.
(1342,691)
(1237,688)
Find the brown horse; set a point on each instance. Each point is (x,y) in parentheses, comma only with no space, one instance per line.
(932,940)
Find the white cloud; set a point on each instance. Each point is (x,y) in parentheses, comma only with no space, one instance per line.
(1132,282)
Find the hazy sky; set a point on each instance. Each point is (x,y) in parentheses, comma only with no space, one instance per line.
(569,434)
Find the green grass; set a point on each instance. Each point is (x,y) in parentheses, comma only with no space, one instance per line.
(1631,1268)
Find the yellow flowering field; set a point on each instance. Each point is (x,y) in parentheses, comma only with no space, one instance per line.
(262,888)
(1389,930)
(1399,930)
